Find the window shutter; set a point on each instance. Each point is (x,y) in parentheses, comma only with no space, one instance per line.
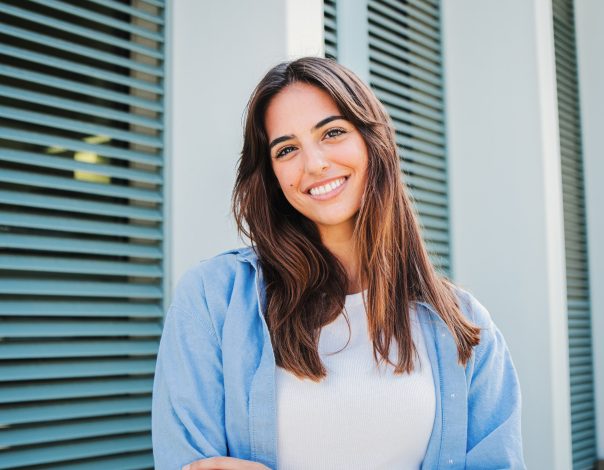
(579,316)
(81,211)
(406,74)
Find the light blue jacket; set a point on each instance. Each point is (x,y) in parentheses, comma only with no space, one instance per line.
(214,390)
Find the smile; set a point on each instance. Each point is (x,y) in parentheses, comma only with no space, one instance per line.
(328,190)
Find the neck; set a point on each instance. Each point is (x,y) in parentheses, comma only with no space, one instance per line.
(340,242)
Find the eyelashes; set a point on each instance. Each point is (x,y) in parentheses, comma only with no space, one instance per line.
(329,134)
(335,132)
(284,151)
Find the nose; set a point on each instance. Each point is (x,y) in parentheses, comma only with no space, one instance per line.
(315,161)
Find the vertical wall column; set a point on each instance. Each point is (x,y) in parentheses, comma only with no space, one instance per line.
(506,198)
(589,17)
(219,51)
(353,36)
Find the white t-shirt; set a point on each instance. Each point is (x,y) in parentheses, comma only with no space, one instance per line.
(360,416)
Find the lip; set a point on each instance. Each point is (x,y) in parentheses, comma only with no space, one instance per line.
(330,194)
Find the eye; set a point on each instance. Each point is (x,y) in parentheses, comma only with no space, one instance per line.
(284,151)
(331,133)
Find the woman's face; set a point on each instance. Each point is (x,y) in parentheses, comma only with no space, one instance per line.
(319,158)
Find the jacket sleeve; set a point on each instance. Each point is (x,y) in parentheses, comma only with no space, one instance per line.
(188,389)
(494,402)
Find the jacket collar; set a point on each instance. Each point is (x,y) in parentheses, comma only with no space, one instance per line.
(246,254)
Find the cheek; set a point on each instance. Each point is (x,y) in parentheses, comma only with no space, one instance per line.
(287,178)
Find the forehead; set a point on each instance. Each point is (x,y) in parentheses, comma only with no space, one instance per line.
(297,108)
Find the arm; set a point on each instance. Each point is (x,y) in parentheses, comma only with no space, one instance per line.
(494,402)
(188,391)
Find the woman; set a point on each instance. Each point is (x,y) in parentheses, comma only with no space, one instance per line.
(332,343)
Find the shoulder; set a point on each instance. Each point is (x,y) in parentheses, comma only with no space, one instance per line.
(470,307)
(212,277)
(473,309)
(478,315)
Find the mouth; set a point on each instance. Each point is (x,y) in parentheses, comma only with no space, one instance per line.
(328,190)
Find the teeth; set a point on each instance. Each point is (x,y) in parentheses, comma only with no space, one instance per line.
(327,187)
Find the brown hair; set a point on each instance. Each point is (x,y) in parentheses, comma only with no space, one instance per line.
(305,283)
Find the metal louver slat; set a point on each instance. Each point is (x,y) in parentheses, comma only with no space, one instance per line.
(24,392)
(393,18)
(419,195)
(131,11)
(83,308)
(418,85)
(71,328)
(74,266)
(579,314)
(77,67)
(66,46)
(391,83)
(403,101)
(406,75)
(48,161)
(69,184)
(55,349)
(74,125)
(37,138)
(420,146)
(430,7)
(74,409)
(414,10)
(415,169)
(67,369)
(80,88)
(155,3)
(131,461)
(403,117)
(82,206)
(80,31)
(102,19)
(429,61)
(78,107)
(425,160)
(71,224)
(79,288)
(41,243)
(391,56)
(81,230)
(76,450)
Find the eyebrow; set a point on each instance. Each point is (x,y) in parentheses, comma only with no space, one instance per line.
(318,125)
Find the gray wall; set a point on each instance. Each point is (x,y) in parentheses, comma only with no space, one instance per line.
(219,51)
(506,198)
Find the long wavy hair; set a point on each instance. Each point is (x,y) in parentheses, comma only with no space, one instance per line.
(305,283)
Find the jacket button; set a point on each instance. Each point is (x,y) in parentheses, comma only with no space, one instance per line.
(450,461)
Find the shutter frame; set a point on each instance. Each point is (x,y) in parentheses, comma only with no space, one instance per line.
(583,425)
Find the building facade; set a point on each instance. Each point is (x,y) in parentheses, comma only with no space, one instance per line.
(120,129)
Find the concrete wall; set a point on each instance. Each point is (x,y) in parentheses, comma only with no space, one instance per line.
(506,198)
(218,54)
(353,36)
(589,18)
